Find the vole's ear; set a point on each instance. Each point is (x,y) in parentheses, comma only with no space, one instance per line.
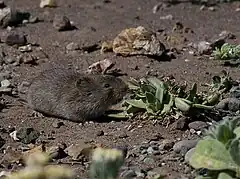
(83,81)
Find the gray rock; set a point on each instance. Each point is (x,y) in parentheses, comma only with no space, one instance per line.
(2,142)
(166,144)
(184,146)
(235,92)
(11,17)
(150,150)
(149,161)
(197,125)
(128,174)
(204,48)
(72,46)
(33,20)
(188,155)
(140,174)
(27,135)
(5,75)
(158,171)
(231,104)
(16,39)
(10,60)
(227,35)
(61,23)
(179,124)
(5,83)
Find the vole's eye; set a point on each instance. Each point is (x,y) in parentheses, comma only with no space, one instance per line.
(106,85)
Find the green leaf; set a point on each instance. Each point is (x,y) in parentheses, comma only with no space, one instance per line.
(193,92)
(234,150)
(160,94)
(155,82)
(224,176)
(132,109)
(136,103)
(212,154)
(150,98)
(182,105)
(237,132)
(167,107)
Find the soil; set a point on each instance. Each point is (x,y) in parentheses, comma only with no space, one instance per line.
(98,21)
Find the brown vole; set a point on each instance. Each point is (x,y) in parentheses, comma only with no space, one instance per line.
(77,97)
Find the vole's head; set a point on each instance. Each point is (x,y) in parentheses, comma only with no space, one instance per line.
(105,88)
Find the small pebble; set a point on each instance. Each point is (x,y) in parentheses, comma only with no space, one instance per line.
(149,161)
(57,124)
(100,133)
(61,23)
(5,83)
(48,3)
(128,174)
(72,46)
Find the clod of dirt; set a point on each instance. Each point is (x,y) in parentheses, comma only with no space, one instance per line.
(136,41)
(184,146)
(2,5)
(166,144)
(204,48)
(167,17)
(90,48)
(48,3)
(27,135)
(235,92)
(16,39)
(11,156)
(11,17)
(56,152)
(157,7)
(179,124)
(26,48)
(231,104)
(2,142)
(197,125)
(227,35)
(62,23)
(22,88)
(100,67)
(72,46)
(100,133)
(57,124)
(80,150)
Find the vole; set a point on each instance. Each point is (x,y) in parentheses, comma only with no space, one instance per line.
(78,97)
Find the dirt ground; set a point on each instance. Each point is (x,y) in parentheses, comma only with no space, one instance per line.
(97,21)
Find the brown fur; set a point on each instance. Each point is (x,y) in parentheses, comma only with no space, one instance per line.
(78,97)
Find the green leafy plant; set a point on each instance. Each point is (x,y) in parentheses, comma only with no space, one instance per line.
(227,52)
(37,167)
(106,163)
(157,98)
(219,150)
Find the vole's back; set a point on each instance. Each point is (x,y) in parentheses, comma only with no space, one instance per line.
(67,94)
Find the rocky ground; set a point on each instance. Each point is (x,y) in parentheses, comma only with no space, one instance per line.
(152,147)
